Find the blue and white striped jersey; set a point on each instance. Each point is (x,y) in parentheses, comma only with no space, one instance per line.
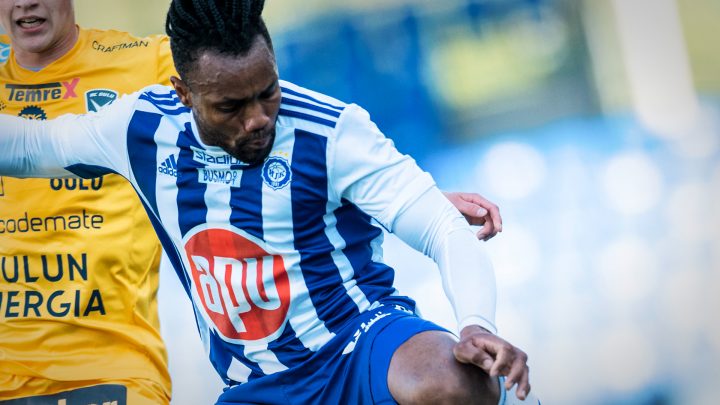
(276,256)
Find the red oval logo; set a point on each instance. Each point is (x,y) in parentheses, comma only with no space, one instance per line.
(244,290)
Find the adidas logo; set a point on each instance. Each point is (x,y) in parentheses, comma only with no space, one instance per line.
(169,166)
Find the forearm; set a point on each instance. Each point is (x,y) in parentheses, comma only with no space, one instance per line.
(433,226)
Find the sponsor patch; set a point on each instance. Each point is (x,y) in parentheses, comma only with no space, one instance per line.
(276,172)
(169,166)
(202,156)
(227,177)
(40,93)
(96,99)
(244,290)
(118,47)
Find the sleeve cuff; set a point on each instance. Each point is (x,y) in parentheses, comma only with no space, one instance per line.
(479,321)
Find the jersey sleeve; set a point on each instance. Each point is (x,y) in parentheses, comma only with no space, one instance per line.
(85,145)
(368,170)
(165,64)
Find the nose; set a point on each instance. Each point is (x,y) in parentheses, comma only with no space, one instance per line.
(256,118)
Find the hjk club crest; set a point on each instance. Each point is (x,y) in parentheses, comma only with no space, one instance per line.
(276,172)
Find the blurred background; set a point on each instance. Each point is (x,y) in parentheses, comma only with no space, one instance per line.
(594,125)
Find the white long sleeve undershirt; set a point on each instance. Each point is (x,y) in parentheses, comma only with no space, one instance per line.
(465,268)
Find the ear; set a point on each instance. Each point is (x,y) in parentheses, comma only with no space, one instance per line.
(182,90)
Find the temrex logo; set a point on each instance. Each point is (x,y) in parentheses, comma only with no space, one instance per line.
(244,290)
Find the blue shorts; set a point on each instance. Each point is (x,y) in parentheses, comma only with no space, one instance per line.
(351,368)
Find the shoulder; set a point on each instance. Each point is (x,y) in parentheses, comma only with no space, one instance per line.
(160,99)
(309,110)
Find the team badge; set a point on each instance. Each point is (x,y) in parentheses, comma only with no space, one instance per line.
(98,98)
(276,172)
(33,112)
(4,52)
(244,290)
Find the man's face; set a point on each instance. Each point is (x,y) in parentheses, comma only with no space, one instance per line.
(36,26)
(235,100)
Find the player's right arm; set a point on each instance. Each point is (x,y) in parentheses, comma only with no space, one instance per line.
(71,145)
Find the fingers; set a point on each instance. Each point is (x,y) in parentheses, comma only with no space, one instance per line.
(519,374)
(478,211)
(492,222)
(496,357)
(523,382)
(487,215)
(466,352)
(495,218)
(473,212)
(484,350)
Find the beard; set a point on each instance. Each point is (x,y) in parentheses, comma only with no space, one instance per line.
(252,149)
(248,150)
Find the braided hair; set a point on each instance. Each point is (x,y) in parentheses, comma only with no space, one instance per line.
(224,26)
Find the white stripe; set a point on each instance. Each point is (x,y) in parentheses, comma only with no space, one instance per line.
(286,122)
(265,359)
(237,371)
(305,110)
(310,111)
(217,200)
(165,185)
(311,331)
(336,108)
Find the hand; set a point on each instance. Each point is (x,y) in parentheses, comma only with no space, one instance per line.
(495,356)
(478,211)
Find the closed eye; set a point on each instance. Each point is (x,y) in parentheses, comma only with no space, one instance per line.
(227,108)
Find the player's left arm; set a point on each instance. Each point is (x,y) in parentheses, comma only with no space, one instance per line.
(433,226)
(368,171)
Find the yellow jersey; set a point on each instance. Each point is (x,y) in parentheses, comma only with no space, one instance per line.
(79,258)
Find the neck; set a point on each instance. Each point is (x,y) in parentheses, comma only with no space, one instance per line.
(38,60)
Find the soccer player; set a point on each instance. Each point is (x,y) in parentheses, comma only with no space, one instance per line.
(261,192)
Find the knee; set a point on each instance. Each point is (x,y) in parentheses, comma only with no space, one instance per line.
(434,376)
(460,384)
